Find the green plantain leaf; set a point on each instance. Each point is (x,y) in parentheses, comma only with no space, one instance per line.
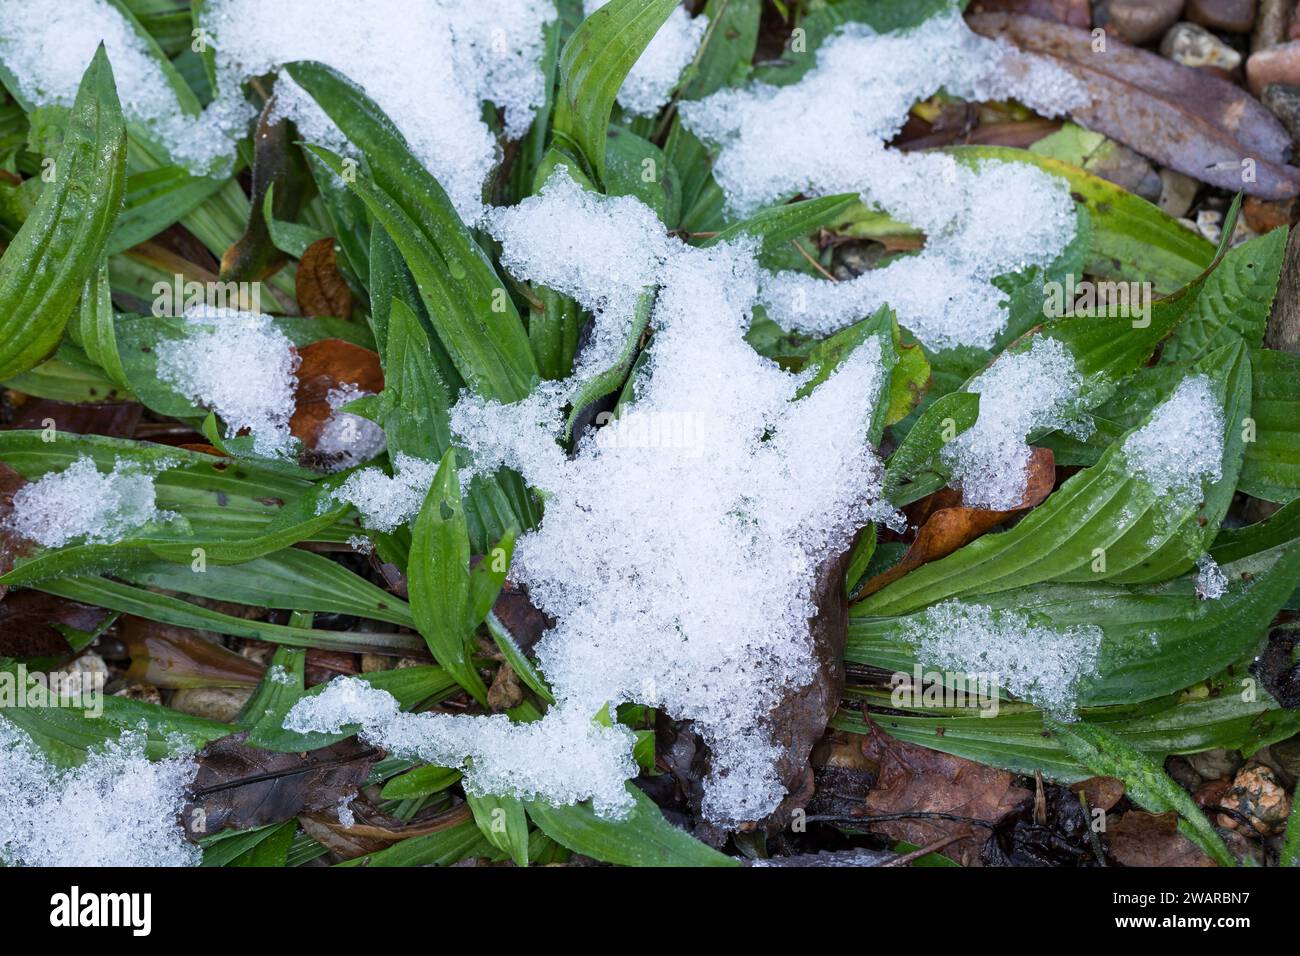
(1234,303)
(642,838)
(1157,639)
(291,579)
(229,511)
(1016,738)
(779,224)
(442,848)
(45,268)
(1104,507)
(465,298)
(438,578)
(1272,467)
(1132,239)
(1145,783)
(419,782)
(166,609)
(65,734)
(728,48)
(95,330)
(593,65)
(503,823)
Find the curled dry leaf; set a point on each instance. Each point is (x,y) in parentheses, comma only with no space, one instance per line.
(326,365)
(946,524)
(176,657)
(800,719)
(1183,118)
(321,288)
(238,786)
(254,255)
(1138,838)
(373,830)
(915,780)
(1102,793)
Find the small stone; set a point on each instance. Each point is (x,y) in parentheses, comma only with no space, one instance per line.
(1231,16)
(1177,193)
(1210,793)
(1184,773)
(1271,23)
(1137,21)
(1286,756)
(1264,216)
(1283,101)
(221,704)
(1257,795)
(1195,46)
(1277,64)
(370,663)
(1250,852)
(1126,168)
(1215,764)
(1209,223)
(505,691)
(854,258)
(145,693)
(1276,763)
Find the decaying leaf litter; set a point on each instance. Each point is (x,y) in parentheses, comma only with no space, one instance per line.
(797,433)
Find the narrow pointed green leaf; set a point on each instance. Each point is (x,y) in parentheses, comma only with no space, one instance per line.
(438,577)
(503,823)
(642,838)
(45,269)
(1145,782)
(593,65)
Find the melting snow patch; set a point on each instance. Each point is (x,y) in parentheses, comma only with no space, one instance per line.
(429,65)
(1035,662)
(1022,393)
(826,134)
(386,502)
(1181,446)
(683,580)
(82,503)
(651,81)
(602,251)
(116,809)
(564,758)
(47,45)
(347,440)
(239,365)
(1211,582)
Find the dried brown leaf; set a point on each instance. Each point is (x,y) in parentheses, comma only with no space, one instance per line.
(1077,13)
(321,288)
(1183,118)
(1102,793)
(238,786)
(27,620)
(325,365)
(916,780)
(174,657)
(1138,838)
(946,524)
(372,830)
(111,419)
